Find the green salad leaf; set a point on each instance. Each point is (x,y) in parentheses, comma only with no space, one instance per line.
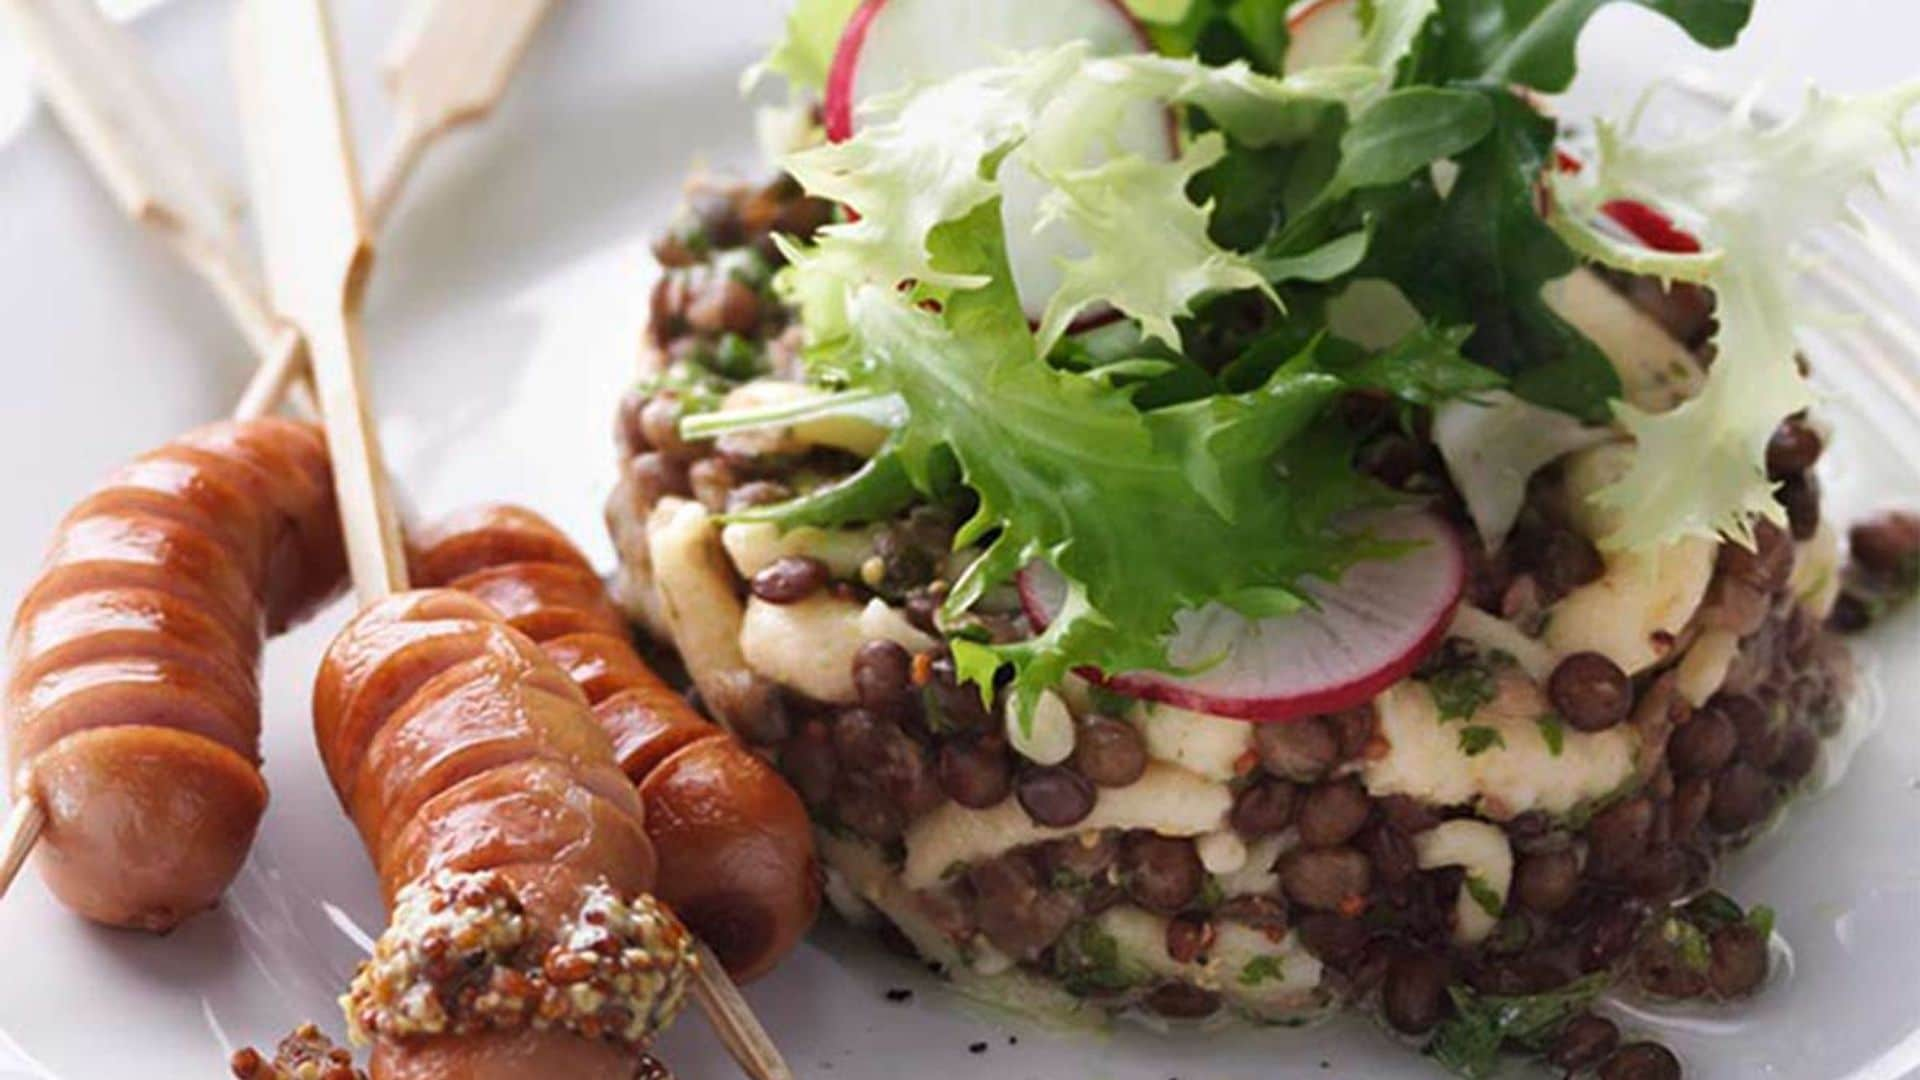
(1469,1042)
(1478,254)
(804,54)
(1531,42)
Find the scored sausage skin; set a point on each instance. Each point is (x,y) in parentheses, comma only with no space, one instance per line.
(736,849)
(456,744)
(133,700)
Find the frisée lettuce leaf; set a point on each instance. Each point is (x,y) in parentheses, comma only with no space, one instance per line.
(1751,194)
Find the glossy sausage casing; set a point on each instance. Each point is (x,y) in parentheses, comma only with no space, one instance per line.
(456,744)
(736,849)
(133,703)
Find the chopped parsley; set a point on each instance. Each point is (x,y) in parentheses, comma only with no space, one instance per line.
(1469,1042)
(1088,961)
(1484,895)
(1477,739)
(1262,969)
(1461,690)
(1553,731)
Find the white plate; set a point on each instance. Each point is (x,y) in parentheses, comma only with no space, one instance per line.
(503,322)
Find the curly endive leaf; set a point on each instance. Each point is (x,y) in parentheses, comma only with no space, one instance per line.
(1751,194)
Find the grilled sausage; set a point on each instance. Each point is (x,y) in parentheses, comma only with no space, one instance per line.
(459,748)
(133,703)
(736,850)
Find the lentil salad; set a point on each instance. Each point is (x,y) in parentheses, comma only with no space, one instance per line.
(1637,678)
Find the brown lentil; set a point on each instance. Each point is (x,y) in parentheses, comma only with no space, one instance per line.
(1794,448)
(1055,796)
(1703,745)
(976,774)
(1326,879)
(1111,753)
(790,579)
(1188,938)
(1394,860)
(1799,753)
(1263,807)
(1302,751)
(1886,548)
(1800,495)
(712,481)
(1641,1061)
(1618,835)
(1332,814)
(867,811)
(1546,882)
(883,678)
(1738,964)
(1586,1041)
(810,765)
(722,305)
(655,476)
(1414,996)
(1182,1001)
(755,493)
(1590,692)
(659,423)
(1160,873)
(1019,915)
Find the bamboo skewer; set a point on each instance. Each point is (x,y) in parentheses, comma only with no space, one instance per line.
(106,96)
(316,236)
(449,65)
(92,75)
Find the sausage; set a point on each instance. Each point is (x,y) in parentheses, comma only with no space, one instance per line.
(133,696)
(736,850)
(463,753)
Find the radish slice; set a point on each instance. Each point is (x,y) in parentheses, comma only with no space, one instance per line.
(1370,631)
(1323,33)
(895,44)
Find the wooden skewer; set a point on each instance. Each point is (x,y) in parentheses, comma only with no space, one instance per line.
(90,71)
(318,256)
(449,65)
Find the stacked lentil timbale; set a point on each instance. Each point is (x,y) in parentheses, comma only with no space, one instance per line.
(1535,814)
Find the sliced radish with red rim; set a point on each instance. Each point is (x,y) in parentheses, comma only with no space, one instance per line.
(1369,631)
(1322,34)
(896,44)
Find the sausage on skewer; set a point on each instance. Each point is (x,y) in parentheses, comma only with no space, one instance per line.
(133,702)
(736,849)
(512,851)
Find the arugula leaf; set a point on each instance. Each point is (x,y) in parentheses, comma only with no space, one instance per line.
(1479,255)
(1469,1042)
(877,491)
(1406,131)
(1219,31)
(1532,42)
